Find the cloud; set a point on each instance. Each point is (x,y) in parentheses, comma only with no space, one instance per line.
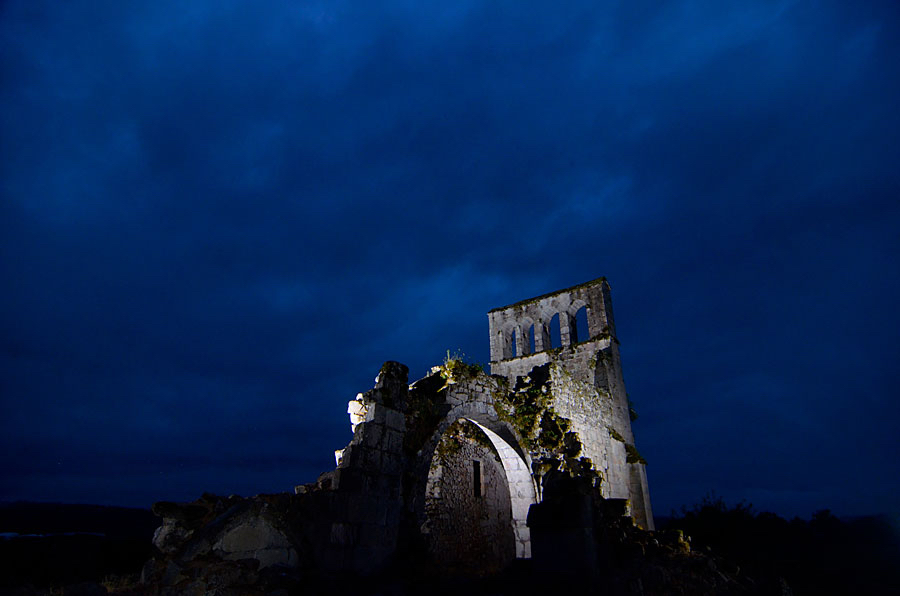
(218,219)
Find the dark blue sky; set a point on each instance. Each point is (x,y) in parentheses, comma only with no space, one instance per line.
(220,218)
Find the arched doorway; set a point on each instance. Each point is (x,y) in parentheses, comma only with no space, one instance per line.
(477,498)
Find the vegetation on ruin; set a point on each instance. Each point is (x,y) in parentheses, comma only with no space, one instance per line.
(448,446)
(544,433)
(615,434)
(632,455)
(523,409)
(425,407)
(552,430)
(456,434)
(424,412)
(632,413)
(601,357)
(455,368)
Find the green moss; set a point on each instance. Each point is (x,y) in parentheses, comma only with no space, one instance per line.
(460,432)
(523,410)
(581,467)
(455,369)
(633,456)
(572,446)
(448,446)
(552,430)
(472,433)
(632,414)
(424,413)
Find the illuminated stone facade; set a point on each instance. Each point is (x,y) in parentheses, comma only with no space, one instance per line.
(457,463)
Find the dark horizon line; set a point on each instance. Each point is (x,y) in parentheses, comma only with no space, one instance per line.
(669,516)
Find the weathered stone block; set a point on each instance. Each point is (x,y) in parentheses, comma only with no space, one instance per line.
(256,538)
(371,459)
(343,534)
(393,441)
(376,413)
(373,434)
(358,411)
(395,420)
(170,536)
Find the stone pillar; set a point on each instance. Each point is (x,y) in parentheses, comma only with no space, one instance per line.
(566,324)
(541,336)
(599,312)
(521,341)
(501,344)
(496,344)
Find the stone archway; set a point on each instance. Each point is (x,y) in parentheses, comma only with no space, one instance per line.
(521,489)
(477,495)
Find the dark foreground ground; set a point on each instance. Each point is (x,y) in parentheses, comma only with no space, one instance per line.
(824,555)
(86,550)
(47,546)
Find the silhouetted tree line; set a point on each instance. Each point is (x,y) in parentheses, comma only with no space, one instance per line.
(824,555)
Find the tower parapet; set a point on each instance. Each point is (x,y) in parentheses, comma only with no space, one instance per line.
(524,328)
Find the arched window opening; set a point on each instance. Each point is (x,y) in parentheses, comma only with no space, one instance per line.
(555,333)
(513,345)
(531,339)
(581,326)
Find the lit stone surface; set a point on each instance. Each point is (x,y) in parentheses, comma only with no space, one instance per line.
(468,506)
(586,379)
(459,458)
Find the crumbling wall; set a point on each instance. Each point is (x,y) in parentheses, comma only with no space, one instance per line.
(467,504)
(408,476)
(586,386)
(366,501)
(512,326)
(456,391)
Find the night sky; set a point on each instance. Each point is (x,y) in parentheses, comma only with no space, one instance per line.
(219,218)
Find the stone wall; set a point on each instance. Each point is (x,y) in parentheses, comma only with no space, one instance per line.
(407,478)
(366,487)
(461,392)
(587,385)
(467,504)
(533,317)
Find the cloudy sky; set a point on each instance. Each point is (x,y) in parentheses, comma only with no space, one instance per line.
(219,218)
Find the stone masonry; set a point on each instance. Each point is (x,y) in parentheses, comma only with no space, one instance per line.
(451,465)
(588,388)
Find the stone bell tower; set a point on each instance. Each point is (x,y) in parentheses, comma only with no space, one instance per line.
(586,378)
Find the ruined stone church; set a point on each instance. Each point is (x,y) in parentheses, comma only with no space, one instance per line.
(470,468)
